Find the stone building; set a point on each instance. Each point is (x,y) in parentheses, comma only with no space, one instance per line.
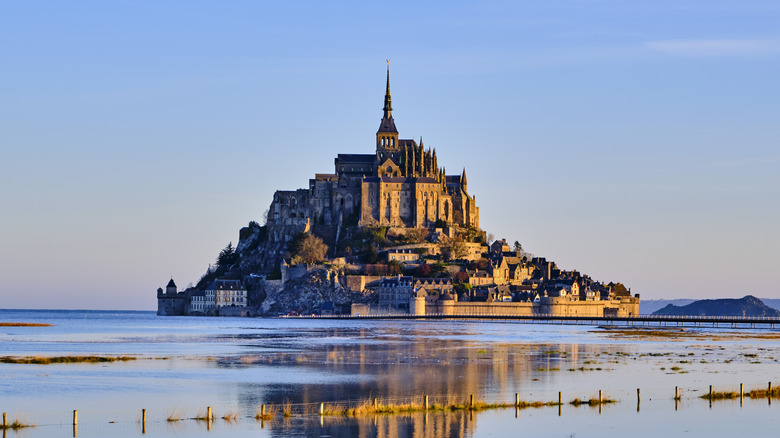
(171,302)
(401,184)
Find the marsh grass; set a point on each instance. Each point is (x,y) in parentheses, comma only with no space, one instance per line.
(16,425)
(230,416)
(755,393)
(46,360)
(201,416)
(174,416)
(592,402)
(24,324)
(270,412)
(367,407)
(287,409)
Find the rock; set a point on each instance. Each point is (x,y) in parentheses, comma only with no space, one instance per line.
(307,293)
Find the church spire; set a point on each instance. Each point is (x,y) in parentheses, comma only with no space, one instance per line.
(387,124)
(463,181)
(388,109)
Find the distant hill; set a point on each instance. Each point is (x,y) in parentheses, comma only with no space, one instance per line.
(747,306)
(646,307)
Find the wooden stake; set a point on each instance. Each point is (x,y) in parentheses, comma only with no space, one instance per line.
(426,402)
(375,404)
(471,400)
(5,421)
(262,410)
(322,409)
(517,399)
(638,395)
(208,413)
(710,392)
(740,390)
(599,397)
(143,421)
(75,417)
(559,398)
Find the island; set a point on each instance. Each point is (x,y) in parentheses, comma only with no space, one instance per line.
(386,233)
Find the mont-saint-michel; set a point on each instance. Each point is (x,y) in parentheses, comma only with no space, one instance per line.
(386,232)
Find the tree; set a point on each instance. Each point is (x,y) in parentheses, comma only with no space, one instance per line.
(371,255)
(460,277)
(227,256)
(457,249)
(311,249)
(424,270)
(394,267)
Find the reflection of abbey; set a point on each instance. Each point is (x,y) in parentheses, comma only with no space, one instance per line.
(400,185)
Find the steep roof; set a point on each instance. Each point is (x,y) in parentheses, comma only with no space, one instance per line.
(356,158)
(171,283)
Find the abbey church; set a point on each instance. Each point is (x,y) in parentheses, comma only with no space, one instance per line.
(400,185)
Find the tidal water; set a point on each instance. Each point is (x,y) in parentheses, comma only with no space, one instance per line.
(234,365)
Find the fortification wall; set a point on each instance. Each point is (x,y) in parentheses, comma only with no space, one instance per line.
(487,309)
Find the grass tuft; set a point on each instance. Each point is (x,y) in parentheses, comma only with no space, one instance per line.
(46,360)
(451,405)
(755,393)
(16,425)
(270,412)
(23,324)
(592,402)
(230,416)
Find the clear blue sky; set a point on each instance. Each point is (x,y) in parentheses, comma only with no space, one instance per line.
(634,141)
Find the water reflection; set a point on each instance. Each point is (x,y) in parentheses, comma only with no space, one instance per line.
(404,365)
(417,425)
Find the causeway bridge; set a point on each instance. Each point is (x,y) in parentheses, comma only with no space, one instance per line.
(732,322)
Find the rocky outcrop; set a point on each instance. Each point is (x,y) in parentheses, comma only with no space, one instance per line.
(307,293)
(747,306)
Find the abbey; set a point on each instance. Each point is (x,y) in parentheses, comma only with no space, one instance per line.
(400,185)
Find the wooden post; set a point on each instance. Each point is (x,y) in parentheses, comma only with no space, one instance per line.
(676,392)
(262,411)
(638,395)
(769,389)
(208,413)
(740,392)
(517,399)
(559,398)
(75,417)
(599,396)
(375,404)
(322,409)
(143,420)
(5,421)
(471,400)
(426,402)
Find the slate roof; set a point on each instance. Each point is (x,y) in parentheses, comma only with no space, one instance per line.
(356,158)
(387,125)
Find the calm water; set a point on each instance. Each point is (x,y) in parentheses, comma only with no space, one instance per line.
(234,365)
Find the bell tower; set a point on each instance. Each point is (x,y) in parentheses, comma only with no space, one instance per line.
(387,135)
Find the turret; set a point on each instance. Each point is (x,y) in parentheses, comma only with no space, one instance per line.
(170,289)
